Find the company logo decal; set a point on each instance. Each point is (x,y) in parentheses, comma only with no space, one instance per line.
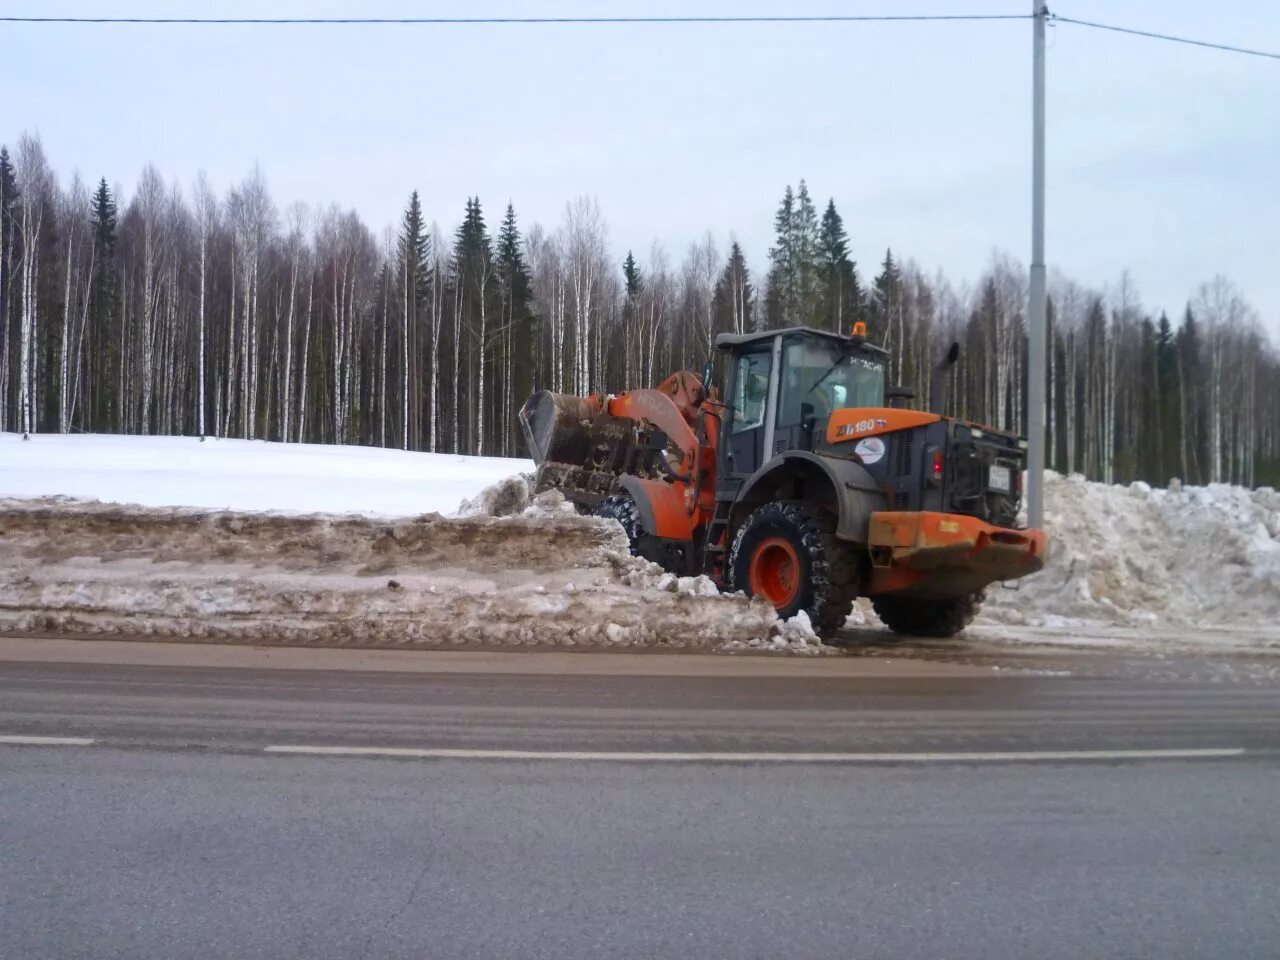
(870,449)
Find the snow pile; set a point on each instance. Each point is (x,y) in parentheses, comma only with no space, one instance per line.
(1207,556)
(550,579)
(513,568)
(795,635)
(174,562)
(506,498)
(244,474)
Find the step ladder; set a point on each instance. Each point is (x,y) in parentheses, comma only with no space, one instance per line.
(716,548)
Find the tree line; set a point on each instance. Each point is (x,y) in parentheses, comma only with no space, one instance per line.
(180,311)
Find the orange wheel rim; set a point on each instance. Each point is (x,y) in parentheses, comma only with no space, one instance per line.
(775,571)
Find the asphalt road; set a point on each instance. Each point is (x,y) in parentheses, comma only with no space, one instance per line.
(179,832)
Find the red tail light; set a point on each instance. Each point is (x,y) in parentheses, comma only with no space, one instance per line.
(936,465)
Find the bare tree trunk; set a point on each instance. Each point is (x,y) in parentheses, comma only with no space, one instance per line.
(437,315)
(457,356)
(204,257)
(79,350)
(64,421)
(286,391)
(233,373)
(404,358)
(303,362)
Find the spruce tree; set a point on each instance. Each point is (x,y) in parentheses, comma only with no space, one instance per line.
(840,304)
(886,301)
(521,334)
(103,337)
(780,291)
(1170,416)
(472,237)
(511,258)
(1193,402)
(474,278)
(806,271)
(731,303)
(8,237)
(415,249)
(1149,451)
(414,289)
(631,275)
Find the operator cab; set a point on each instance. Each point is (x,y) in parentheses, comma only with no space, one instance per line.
(782,386)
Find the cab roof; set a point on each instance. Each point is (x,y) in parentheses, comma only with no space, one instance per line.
(727,341)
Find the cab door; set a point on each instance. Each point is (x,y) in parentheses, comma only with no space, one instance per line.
(752,395)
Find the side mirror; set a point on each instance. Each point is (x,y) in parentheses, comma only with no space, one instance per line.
(898,396)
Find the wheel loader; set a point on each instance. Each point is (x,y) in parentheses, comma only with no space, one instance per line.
(789,470)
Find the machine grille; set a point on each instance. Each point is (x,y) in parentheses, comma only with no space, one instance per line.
(902,453)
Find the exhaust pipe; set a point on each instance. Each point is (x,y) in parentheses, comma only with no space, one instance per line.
(938,380)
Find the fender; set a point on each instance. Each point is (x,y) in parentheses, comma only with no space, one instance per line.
(661,506)
(856,492)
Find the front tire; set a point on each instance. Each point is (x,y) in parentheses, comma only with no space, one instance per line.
(622,507)
(787,552)
(928,618)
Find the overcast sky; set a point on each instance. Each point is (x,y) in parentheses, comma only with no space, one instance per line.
(1162,158)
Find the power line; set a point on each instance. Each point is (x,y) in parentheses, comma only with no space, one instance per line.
(614,21)
(1053,17)
(379,21)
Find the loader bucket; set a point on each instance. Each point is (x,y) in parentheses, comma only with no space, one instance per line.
(553,425)
(577,446)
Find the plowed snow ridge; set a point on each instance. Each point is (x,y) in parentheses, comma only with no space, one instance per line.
(352,549)
(545,577)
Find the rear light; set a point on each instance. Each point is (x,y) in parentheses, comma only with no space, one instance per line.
(936,466)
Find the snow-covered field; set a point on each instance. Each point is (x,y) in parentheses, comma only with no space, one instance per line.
(244,474)
(1127,565)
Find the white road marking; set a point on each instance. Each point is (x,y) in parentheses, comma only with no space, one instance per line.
(47,741)
(636,757)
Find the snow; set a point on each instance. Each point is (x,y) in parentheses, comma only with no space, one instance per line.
(363,545)
(1137,556)
(257,542)
(549,579)
(244,474)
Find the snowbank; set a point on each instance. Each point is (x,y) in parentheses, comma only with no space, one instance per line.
(1201,556)
(547,577)
(512,568)
(167,548)
(244,474)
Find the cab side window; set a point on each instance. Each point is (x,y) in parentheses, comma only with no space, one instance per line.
(751,390)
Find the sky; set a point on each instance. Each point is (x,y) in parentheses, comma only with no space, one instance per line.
(1163,159)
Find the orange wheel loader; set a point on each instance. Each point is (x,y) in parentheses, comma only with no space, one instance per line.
(789,471)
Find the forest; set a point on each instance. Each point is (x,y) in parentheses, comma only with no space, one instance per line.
(178,310)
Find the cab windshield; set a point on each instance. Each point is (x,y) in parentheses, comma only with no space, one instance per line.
(821,376)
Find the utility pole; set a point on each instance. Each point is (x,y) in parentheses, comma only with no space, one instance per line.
(1037,307)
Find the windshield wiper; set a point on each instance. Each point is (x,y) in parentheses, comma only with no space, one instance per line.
(830,370)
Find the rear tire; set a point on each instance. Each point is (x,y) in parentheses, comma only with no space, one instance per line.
(788,553)
(928,618)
